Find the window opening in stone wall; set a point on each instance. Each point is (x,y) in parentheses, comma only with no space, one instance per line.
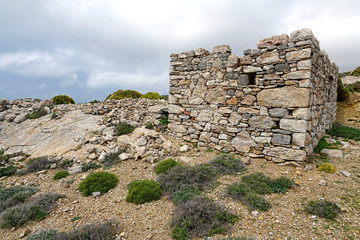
(247,79)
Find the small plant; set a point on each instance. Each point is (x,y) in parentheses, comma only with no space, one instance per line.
(37,113)
(95,101)
(113,158)
(7,171)
(4,158)
(326,168)
(61,174)
(322,208)
(120,94)
(164,120)
(98,182)
(227,164)
(66,163)
(339,130)
(62,99)
(123,128)
(322,145)
(75,218)
(258,182)
(90,166)
(281,185)
(149,126)
(255,201)
(165,165)
(43,235)
(36,209)
(143,191)
(184,195)
(200,217)
(151,95)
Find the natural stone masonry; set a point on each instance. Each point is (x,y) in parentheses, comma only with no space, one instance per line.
(274,102)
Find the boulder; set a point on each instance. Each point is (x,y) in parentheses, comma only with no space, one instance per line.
(332,153)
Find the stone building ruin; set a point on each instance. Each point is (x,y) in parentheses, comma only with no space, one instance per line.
(276,101)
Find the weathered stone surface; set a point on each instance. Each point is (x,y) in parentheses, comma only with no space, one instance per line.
(350,80)
(302,74)
(21,117)
(242,142)
(284,97)
(300,139)
(332,153)
(301,113)
(278,112)
(273,40)
(268,58)
(176,128)
(216,96)
(286,153)
(293,125)
(251,69)
(175,109)
(196,100)
(304,65)
(301,35)
(205,116)
(298,55)
(248,100)
(222,49)
(262,122)
(280,139)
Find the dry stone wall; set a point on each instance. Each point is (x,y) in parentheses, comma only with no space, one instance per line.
(276,101)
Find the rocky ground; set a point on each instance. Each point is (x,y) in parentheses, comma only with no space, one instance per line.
(285,220)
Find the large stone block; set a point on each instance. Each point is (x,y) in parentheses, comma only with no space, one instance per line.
(298,55)
(302,74)
(284,97)
(176,128)
(251,69)
(268,58)
(243,142)
(293,125)
(286,153)
(262,122)
(273,40)
(302,35)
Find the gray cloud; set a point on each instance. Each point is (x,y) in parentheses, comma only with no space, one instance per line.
(92,48)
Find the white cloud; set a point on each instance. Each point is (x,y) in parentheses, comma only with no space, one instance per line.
(69,81)
(41,87)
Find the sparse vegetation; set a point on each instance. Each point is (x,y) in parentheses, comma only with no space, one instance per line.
(326,168)
(66,163)
(342,93)
(98,182)
(62,99)
(322,144)
(113,158)
(227,164)
(13,196)
(165,165)
(164,120)
(184,195)
(96,231)
(143,191)
(200,217)
(8,171)
(322,208)
(89,166)
(124,128)
(339,130)
(61,174)
(37,164)
(37,209)
(151,95)
(149,126)
(120,94)
(37,113)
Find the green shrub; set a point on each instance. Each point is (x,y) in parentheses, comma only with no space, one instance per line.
(281,185)
(13,196)
(120,94)
(258,182)
(238,190)
(322,208)
(62,99)
(37,113)
(123,128)
(66,163)
(165,165)
(95,101)
(200,217)
(197,177)
(90,166)
(151,95)
(143,191)
(149,126)
(98,182)
(227,164)
(339,130)
(37,209)
(184,195)
(356,72)
(164,120)
(342,93)
(61,174)
(113,158)
(254,201)
(7,171)
(4,158)
(322,144)
(96,231)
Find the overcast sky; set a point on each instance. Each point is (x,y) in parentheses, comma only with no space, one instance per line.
(88,49)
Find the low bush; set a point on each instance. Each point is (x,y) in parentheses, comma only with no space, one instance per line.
(123,128)
(200,217)
(61,174)
(322,144)
(165,165)
(62,99)
(184,195)
(113,158)
(142,191)
(197,177)
(258,182)
(227,164)
(342,93)
(120,94)
(37,113)
(254,201)
(98,182)
(37,164)
(164,120)
(7,171)
(13,196)
(281,185)
(96,231)
(37,209)
(66,163)
(151,95)
(4,158)
(326,168)
(90,166)
(322,208)
(339,130)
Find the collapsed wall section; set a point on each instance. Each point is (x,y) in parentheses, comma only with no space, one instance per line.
(274,102)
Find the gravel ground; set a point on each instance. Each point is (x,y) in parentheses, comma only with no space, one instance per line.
(285,220)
